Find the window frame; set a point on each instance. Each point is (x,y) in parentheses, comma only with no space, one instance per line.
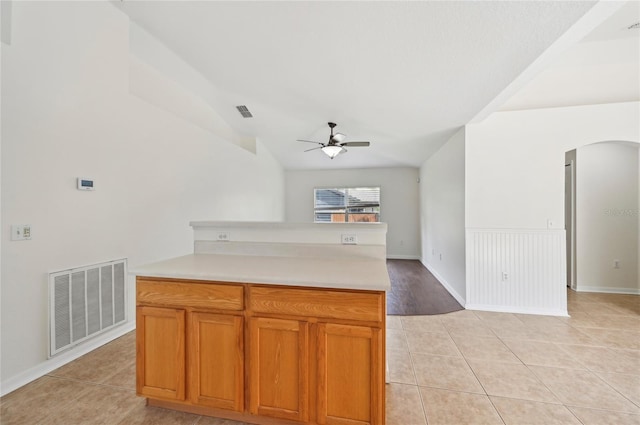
(346,207)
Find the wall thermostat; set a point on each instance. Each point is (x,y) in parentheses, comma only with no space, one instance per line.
(85,184)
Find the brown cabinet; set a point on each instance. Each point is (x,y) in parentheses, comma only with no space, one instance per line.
(216,361)
(160,351)
(278,368)
(262,353)
(191,348)
(349,363)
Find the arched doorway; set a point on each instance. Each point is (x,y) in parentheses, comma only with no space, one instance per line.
(602,194)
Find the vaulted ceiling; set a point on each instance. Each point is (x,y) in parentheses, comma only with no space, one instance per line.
(403,75)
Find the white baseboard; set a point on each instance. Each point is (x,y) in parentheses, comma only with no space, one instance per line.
(402,257)
(62,359)
(605,290)
(520,310)
(446,285)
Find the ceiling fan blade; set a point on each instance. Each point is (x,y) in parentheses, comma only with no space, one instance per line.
(309,141)
(313,149)
(338,137)
(355,144)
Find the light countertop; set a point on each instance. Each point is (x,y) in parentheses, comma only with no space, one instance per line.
(324,272)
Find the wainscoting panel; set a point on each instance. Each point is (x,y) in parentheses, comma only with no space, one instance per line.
(515,270)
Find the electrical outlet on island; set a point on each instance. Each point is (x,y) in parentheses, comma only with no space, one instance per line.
(349,239)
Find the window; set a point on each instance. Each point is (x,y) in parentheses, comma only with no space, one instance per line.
(347,205)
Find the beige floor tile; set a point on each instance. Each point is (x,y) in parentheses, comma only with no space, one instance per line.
(394,322)
(513,330)
(463,327)
(404,405)
(124,378)
(451,373)
(579,319)
(615,338)
(609,321)
(592,307)
(436,343)
(397,340)
(451,407)
(94,367)
(40,399)
(496,317)
(626,384)
(460,315)
(604,417)
(400,367)
(629,308)
(484,348)
(525,412)
(147,415)
(536,320)
(104,405)
(423,324)
(604,359)
(564,334)
(582,388)
(541,353)
(511,380)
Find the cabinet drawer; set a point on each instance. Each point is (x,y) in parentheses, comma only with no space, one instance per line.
(320,303)
(190,294)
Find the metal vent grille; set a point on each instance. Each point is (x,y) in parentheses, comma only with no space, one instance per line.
(244,111)
(85,302)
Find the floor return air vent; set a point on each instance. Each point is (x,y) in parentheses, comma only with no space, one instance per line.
(85,302)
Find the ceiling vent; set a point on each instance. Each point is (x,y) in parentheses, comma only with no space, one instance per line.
(244,111)
(634,26)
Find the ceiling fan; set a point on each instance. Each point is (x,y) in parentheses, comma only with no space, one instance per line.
(335,145)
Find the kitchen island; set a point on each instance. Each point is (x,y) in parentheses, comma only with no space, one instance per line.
(267,333)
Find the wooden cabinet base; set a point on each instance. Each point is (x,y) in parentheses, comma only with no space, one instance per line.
(262,354)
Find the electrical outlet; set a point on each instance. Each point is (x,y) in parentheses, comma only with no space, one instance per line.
(505,276)
(616,264)
(20,232)
(223,236)
(349,239)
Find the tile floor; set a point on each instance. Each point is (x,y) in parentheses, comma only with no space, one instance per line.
(466,367)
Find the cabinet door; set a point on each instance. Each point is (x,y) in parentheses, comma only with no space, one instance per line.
(350,379)
(160,339)
(279,368)
(216,361)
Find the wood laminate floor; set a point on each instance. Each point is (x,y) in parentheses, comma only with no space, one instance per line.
(415,291)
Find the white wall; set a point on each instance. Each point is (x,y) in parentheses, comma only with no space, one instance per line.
(515,181)
(515,160)
(607,217)
(67,112)
(442,215)
(398,201)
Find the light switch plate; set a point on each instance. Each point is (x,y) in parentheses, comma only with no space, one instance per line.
(20,232)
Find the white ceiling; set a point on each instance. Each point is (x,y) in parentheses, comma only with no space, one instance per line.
(404,75)
(603,68)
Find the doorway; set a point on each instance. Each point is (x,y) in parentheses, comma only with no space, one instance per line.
(602,195)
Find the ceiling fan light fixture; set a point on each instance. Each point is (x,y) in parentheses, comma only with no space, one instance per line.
(332,150)
(339,137)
